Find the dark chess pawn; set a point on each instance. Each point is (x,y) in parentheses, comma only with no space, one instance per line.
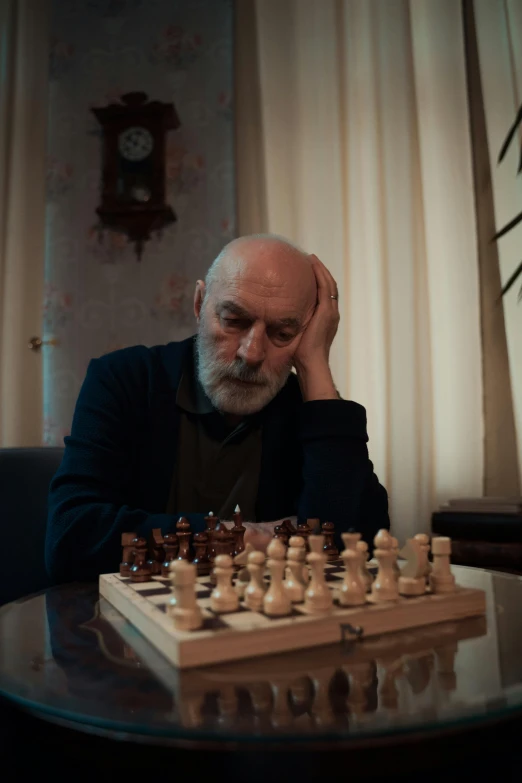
(290,529)
(238,531)
(157,552)
(304,530)
(140,571)
(329,548)
(170,545)
(211,522)
(127,542)
(201,558)
(281,533)
(184,532)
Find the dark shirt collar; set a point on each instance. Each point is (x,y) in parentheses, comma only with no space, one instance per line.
(190,395)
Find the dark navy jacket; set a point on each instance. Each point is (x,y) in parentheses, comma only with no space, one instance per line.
(118,464)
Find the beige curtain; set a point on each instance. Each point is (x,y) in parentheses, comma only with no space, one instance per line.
(23,117)
(366,161)
(499,37)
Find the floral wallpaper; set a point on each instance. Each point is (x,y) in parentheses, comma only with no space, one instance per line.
(98,297)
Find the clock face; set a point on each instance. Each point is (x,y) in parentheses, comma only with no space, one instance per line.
(135,143)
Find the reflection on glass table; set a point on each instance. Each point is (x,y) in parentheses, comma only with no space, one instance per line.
(67,655)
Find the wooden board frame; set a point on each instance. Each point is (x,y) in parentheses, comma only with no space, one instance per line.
(190,649)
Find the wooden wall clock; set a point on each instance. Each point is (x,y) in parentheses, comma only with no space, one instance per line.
(133,169)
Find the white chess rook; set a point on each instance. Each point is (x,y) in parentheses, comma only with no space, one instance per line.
(224,598)
(441,578)
(412,579)
(184,608)
(276,602)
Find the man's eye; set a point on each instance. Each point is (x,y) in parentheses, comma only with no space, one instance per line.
(235,322)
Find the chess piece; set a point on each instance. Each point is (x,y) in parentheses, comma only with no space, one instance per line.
(446,673)
(184,608)
(157,552)
(243,575)
(353,590)
(127,542)
(385,587)
(211,522)
(329,548)
(281,533)
(201,559)
(276,602)
(441,578)
(412,579)
(223,544)
(304,530)
(140,570)
(183,532)
(290,529)
(351,539)
(318,597)
(170,546)
(255,591)
(238,532)
(295,583)
(224,598)
(366,574)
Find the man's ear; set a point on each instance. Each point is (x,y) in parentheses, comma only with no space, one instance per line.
(199,295)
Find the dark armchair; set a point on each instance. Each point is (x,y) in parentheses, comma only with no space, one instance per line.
(25,475)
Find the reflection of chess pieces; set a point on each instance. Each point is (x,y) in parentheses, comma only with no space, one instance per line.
(418,671)
(301,692)
(360,676)
(446,674)
(140,570)
(441,578)
(261,698)
(318,596)
(321,710)
(353,588)
(281,712)
(391,669)
(384,588)
(184,608)
(366,574)
(294,583)
(329,548)
(190,710)
(412,580)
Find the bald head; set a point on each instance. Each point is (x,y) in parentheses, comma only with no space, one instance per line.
(270,260)
(257,300)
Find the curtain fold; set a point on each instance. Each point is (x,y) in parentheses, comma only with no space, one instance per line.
(23,121)
(367,162)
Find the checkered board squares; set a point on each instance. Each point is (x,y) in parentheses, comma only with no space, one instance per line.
(245,634)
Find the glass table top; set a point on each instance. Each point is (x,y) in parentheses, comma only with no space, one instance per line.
(70,656)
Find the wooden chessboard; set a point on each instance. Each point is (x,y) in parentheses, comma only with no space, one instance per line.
(247,634)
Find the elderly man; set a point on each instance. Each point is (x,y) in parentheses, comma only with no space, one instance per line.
(218,420)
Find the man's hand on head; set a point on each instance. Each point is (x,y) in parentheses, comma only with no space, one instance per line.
(311,359)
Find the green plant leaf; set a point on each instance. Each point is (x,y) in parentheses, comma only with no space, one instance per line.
(508,227)
(516,273)
(509,137)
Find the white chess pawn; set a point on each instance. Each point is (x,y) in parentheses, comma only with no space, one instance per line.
(294,583)
(353,590)
(243,575)
(350,539)
(318,596)
(366,574)
(223,597)
(255,591)
(184,608)
(412,579)
(441,578)
(276,602)
(385,587)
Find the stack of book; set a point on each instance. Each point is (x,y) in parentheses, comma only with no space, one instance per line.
(485,532)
